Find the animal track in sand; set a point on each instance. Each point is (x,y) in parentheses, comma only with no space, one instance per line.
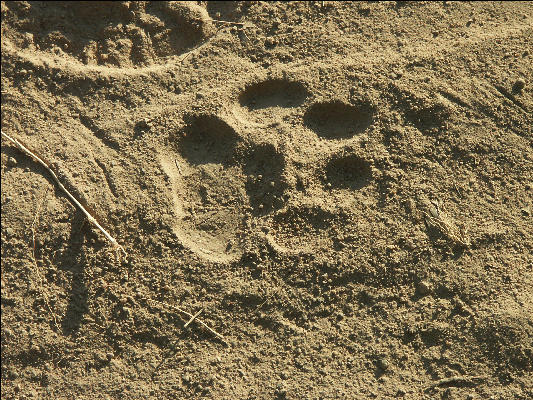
(350,172)
(207,139)
(238,176)
(273,93)
(117,34)
(207,187)
(338,120)
(298,227)
(265,184)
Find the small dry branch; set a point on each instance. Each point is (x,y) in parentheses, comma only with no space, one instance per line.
(229,22)
(192,318)
(91,219)
(458,381)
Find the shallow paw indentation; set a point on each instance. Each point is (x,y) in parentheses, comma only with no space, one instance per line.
(182,26)
(302,227)
(348,172)
(428,114)
(207,139)
(428,117)
(273,93)
(338,120)
(208,203)
(265,184)
(207,186)
(114,34)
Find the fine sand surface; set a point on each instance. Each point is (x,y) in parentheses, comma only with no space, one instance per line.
(342,190)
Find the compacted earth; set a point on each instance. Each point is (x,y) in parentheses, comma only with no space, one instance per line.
(316,200)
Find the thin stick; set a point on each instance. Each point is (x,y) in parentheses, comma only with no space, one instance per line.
(260,305)
(228,22)
(193,318)
(218,335)
(91,219)
(178,166)
(458,381)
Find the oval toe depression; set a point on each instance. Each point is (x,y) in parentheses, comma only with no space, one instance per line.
(273,93)
(348,172)
(207,139)
(338,120)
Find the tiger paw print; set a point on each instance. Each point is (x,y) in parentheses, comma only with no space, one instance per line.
(277,164)
(119,34)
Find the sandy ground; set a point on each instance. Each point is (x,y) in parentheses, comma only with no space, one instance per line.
(342,190)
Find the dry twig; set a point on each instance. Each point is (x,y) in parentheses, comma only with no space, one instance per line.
(229,22)
(458,381)
(193,318)
(91,219)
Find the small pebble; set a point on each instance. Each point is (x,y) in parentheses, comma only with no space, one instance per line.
(434,210)
(145,124)
(519,85)
(383,364)
(99,357)
(11,162)
(270,42)
(424,288)
(401,392)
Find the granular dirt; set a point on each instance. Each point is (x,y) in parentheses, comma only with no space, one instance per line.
(343,189)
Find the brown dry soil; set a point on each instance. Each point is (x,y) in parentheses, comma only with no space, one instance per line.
(343,189)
